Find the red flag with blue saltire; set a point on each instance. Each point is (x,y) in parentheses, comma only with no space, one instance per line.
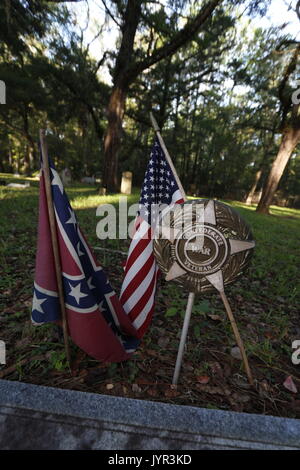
(96,320)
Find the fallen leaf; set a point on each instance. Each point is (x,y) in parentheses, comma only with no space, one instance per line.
(214,390)
(151,352)
(23,342)
(264,389)
(227,370)
(241,384)
(269,334)
(236,353)
(296,404)
(152,392)
(136,388)
(203,379)
(264,385)
(163,341)
(216,368)
(242,398)
(289,385)
(161,373)
(171,392)
(215,317)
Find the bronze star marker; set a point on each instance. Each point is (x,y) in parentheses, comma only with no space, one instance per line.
(205,252)
(190,251)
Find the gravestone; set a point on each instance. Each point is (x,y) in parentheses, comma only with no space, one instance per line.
(19,185)
(88,179)
(193,190)
(66,176)
(126,183)
(102,191)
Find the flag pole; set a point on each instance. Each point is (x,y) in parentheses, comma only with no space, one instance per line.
(54,241)
(191,297)
(163,146)
(184,331)
(237,336)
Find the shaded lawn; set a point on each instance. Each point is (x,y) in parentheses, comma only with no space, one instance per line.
(265,302)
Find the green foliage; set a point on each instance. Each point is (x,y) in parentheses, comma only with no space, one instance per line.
(203,307)
(217,98)
(170,312)
(58,360)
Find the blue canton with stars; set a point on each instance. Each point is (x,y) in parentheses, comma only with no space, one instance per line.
(159,185)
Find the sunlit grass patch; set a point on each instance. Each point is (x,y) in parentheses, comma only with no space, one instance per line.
(94,200)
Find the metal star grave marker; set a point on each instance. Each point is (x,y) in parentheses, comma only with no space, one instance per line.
(204,249)
(203,245)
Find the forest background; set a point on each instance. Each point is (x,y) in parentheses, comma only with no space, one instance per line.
(220,76)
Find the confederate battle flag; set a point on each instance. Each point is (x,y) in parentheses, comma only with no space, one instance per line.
(96,320)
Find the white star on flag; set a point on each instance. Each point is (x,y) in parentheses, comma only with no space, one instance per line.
(57,181)
(72,219)
(36,303)
(76,292)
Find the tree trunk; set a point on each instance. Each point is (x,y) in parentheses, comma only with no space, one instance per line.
(127,69)
(116,105)
(253,187)
(290,139)
(113,136)
(30,154)
(165,94)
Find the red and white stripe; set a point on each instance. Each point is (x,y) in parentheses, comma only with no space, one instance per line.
(141,273)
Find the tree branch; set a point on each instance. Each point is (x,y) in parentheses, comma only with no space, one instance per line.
(178,40)
(102,60)
(285,100)
(110,14)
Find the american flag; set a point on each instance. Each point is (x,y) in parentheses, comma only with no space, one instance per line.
(96,320)
(141,270)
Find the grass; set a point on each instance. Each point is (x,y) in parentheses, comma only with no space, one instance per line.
(266,303)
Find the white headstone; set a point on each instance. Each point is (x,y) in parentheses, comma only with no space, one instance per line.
(126,183)
(88,179)
(66,176)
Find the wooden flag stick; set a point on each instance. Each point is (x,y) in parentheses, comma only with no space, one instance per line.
(54,241)
(191,297)
(163,146)
(237,336)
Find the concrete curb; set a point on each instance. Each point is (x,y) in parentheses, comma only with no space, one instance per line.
(38,417)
